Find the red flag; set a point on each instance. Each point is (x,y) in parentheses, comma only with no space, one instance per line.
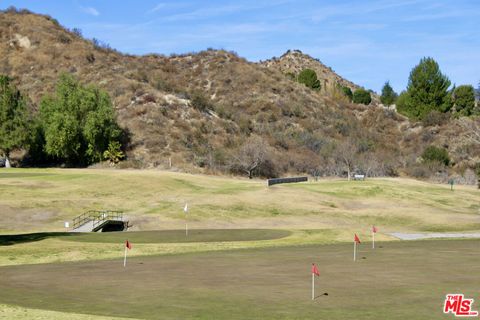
(356,239)
(315,270)
(128,245)
(374,229)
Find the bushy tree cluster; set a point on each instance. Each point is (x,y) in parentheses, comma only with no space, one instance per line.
(78,122)
(348,93)
(362,96)
(309,78)
(75,126)
(436,154)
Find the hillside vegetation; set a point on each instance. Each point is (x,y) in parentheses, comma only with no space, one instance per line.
(207,111)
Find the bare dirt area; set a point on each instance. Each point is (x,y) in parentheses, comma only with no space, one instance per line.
(13,219)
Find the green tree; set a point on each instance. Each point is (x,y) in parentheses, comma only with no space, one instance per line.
(464,100)
(402,100)
(348,93)
(114,153)
(362,96)
(427,90)
(389,96)
(309,78)
(436,154)
(14,129)
(78,122)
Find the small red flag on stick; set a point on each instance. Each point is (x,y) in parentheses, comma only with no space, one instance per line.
(356,240)
(374,230)
(315,272)
(128,246)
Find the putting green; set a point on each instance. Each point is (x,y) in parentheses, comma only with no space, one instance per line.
(179,236)
(398,280)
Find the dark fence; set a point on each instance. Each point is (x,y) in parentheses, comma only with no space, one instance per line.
(271,182)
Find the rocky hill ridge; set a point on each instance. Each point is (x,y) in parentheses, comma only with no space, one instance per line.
(197,110)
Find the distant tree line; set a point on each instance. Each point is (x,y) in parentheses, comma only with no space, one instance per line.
(429,93)
(75,126)
(309,78)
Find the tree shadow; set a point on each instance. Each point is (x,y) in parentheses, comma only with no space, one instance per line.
(13,239)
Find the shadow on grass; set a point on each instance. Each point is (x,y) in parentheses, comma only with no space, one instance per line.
(12,239)
(10,175)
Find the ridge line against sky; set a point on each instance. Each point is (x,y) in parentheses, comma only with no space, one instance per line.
(367,42)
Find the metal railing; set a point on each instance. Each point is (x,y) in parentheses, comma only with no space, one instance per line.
(105,215)
(81,219)
(97,216)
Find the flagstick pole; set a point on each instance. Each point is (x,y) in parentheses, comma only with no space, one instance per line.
(373,242)
(125,258)
(354,250)
(313,286)
(185,209)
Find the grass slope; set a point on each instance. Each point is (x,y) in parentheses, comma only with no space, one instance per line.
(399,280)
(33,200)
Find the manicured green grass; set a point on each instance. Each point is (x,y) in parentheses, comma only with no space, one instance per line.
(33,248)
(179,236)
(399,280)
(154,236)
(229,268)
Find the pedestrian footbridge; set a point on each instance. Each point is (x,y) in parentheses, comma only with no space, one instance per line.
(100,220)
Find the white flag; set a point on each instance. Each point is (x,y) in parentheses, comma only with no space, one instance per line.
(186,208)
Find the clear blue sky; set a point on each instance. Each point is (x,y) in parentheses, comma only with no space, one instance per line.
(367,42)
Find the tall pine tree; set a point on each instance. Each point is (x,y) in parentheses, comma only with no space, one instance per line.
(389,96)
(427,91)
